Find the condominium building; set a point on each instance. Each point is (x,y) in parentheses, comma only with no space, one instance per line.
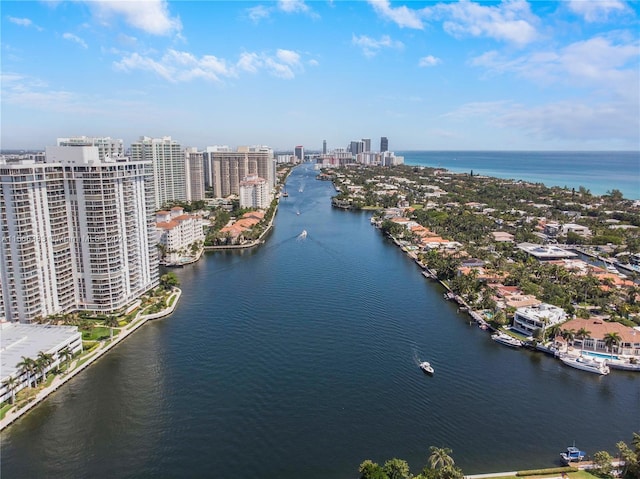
(228,168)
(179,235)
(194,164)
(384,144)
(77,232)
(298,152)
(169,172)
(254,192)
(366,142)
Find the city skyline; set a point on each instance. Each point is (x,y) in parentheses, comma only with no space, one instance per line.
(461,75)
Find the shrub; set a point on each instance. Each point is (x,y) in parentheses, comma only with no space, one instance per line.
(553,470)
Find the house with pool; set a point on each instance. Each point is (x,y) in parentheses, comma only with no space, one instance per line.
(598,330)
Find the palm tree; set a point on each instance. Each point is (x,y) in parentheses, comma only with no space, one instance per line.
(43,361)
(11,384)
(440,457)
(611,340)
(582,334)
(27,365)
(554,331)
(568,335)
(111,322)
(66,355)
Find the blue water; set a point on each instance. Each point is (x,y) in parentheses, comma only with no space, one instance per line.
(597,171)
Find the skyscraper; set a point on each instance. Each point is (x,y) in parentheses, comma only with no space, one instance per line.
(384,144)
(299,153)
(228,168)
(194,164)
(324,147)
(366,142)
(77,233)
(169,175)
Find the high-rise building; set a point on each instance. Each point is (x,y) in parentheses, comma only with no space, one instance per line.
(298,152)
(324,147)
(77,233)
(384,144)
(356,147)
(366,142)
(194,166)
(228,168)
(169,175)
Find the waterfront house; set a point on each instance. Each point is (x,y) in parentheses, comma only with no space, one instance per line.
(598,329)
(531,318)
(177,233)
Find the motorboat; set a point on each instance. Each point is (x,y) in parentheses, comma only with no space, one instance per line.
(572,454)
(507,340)
(586,364)
(426,367)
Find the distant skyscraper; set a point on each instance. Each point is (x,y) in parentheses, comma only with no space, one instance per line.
(324,147)
(366,144)
(299,153)
(195,174)
(384,144)
(78,233)
(356,147)
(169,172)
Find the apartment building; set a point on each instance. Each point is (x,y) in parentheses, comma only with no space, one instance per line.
(177,233)
(228,168)
(169,171)
(76,233)
(254,192)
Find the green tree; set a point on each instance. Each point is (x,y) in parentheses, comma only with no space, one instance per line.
(602,464)
(612,339)
(371,470)
(440,457)
(396,469)
(583,334)
(28,366)
(169,280)
(631,457)
(11,384)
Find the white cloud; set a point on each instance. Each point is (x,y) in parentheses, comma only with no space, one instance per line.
(288,56)
(179,66)
(598,11)
(576,120)
(511,20)
(596,63)
(24,22)
(30,92)
(429,61)
(151,16)
(76,39)
(402,16)
(293,6)
(371,46)
(258,13)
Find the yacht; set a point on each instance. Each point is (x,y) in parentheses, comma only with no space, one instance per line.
(507,340)
(586,364)
(572,454)
(426,367)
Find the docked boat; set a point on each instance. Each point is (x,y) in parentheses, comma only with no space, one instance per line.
(572,454)
(507,340)
(586,364)
(426,367)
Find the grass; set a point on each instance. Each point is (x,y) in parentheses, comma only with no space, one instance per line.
(572,475)
(4,410)
(98,333)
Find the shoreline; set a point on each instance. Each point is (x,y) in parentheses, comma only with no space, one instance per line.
(60,379)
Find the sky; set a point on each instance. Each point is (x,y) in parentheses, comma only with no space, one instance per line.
(435,75)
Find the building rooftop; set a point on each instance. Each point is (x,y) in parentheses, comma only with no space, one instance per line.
(18,340)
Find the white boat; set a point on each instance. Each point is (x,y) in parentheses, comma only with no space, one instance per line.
(572,454)
(586,364)
(426,367)
(303,235)
(507,340)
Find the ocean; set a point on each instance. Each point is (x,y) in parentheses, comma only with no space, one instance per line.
(597,171)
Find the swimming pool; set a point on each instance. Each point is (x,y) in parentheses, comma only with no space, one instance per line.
(599,355)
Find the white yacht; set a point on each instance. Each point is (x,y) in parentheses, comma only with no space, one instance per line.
(507,340)
(586,364)
(426,367)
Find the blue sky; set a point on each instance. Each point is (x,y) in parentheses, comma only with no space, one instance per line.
(461,75)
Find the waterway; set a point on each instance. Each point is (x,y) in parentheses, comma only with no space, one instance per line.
(299,359)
